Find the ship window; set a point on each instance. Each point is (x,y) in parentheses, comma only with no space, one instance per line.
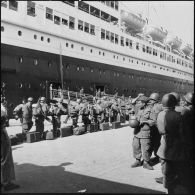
(72,46)
(116,5)
(86,27)
(2,28)
(82,48)
(113,56)
(130,43)
(94,11)
(112,37)
(64,22)
(20,85)
(56,20)
(20,59)
(122,41)
(78,68)
(103,53)
(71,22)
(35,61)
(123,59)
(116,39)
(42,38)
(91,70)
(147,49)
(143,48)
(49,64)
(107,35)
(83,6)
(91,50)
(99,52)
(13,5)
(112,4)
(102,34)
(127,42)
(49,13)
(66,44)
(137,46)
(19,33)
(48,40)
(35,36)
(30,8)
(69,2)
(4,3)
(92,29)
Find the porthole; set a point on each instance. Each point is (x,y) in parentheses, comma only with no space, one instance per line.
(2,28)
(91,50)
(48,40)
(66,44)
(20,59)
(20,85)
(123,59)
(49,64)
(35,62)
(35,36)
(72,46)
(19,33)
(42,38)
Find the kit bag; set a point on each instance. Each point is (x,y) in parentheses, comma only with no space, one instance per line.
(93,127)
(48,135)
(33,137)
(79,130)
(116,125)
(66,131)
(104,126)
(13,140)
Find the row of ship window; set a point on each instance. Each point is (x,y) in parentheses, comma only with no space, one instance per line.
(89,28)
(35,62)
(115,57)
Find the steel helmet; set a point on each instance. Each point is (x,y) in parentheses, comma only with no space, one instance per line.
(43,99)
(169,100)
(189,97)
(133,122)
(30,99)
(177,96)
(154,96)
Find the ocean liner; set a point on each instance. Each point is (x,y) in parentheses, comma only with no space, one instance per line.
(89,44)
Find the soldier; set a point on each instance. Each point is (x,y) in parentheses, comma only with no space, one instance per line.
(27,122)
(169,126)
(7,164)
(18,110)
(40,112)
(187,115)
(156,108)
(142,140)
(178,107)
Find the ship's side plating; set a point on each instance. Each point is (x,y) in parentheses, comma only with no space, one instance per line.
(31,48)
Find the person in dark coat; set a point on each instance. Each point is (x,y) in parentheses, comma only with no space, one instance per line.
(142,141)
(170,150)
(7,164)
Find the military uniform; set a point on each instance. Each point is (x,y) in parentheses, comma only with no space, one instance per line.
(142,134)
(169,126)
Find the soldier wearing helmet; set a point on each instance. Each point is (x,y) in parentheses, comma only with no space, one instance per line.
(40,113)
(169,126)
(156,107)
(142,140)
(178,107)
(187,115)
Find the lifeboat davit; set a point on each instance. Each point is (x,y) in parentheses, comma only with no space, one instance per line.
(157,33)
(134,22)
(187,49)
(173,41)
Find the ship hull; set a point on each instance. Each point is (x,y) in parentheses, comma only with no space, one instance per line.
(26,72)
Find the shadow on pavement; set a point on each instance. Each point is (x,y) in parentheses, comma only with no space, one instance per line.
(55,179)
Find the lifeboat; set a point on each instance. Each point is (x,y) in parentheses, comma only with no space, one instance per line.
(173,41)
(187,49)
(157,33)
(134,22)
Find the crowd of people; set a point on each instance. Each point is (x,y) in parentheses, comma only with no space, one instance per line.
(164,128)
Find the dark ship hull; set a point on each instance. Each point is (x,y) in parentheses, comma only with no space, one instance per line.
(27,72)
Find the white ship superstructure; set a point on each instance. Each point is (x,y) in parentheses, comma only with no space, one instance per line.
(99,45)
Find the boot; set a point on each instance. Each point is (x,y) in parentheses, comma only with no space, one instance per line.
(146,165)
(137,163)
(159,180)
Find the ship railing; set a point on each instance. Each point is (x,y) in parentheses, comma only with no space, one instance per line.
(73,96)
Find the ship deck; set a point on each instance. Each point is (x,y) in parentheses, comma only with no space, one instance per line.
(96,162)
